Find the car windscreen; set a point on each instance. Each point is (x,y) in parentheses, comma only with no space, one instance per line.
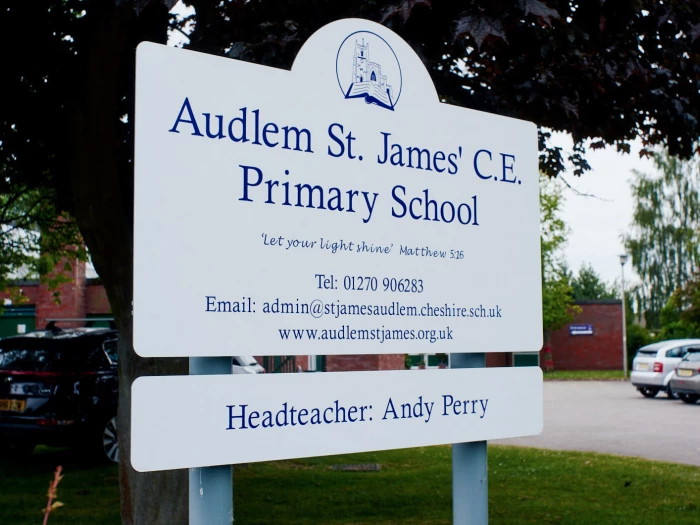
(692,356)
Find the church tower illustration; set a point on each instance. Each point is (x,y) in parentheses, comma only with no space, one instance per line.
(367,79)
(359,66)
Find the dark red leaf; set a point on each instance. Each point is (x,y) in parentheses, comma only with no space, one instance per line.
(479,27)
(694,32)
(632,68)
(622,147)
(539,9)
(140,5)
(569,107)
(402,9)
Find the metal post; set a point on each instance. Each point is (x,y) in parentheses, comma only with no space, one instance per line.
(623,260)
(470,490)
(211,488)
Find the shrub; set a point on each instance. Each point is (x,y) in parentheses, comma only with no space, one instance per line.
(678,330)
(637,337)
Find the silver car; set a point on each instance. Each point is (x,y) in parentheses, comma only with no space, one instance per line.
(685,382)
(654,364)
(245,364)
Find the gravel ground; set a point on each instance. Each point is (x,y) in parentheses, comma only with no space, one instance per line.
(612,417)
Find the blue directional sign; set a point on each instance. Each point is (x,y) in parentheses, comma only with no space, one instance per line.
(580,329)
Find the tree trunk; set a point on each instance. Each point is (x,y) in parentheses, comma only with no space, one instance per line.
(101,197)
(547,356)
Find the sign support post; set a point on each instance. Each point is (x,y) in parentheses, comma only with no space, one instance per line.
(470,491)
(211,488)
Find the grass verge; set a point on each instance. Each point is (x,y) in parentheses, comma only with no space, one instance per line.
(585,375)
(526,487)
(89,492)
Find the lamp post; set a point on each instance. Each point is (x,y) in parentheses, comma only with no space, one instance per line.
(623,260)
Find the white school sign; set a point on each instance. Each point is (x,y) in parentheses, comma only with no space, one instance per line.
(337,208)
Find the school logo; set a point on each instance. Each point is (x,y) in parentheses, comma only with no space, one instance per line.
(367,68)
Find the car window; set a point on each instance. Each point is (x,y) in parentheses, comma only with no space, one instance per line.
(676,352)
(96,360)
(647,352)
(654,346)
(110,348)
(692,356)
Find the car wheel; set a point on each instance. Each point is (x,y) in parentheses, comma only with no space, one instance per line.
(648,392)
(671,394)
(691,399)
(109,441)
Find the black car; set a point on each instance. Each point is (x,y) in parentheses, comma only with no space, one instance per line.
(59,387)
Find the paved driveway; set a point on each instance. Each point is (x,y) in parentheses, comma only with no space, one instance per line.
(612,417)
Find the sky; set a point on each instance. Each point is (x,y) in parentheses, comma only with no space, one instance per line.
(598,222)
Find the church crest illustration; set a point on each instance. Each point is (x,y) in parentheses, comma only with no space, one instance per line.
(360,65)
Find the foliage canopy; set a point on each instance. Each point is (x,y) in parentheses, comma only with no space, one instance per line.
(665,231)
(606,72)
(557,292)
(588,285)
(34,239)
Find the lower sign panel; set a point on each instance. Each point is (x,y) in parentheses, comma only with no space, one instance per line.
(199,421)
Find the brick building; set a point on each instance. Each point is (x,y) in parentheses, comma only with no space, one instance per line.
(593,340)
(83,297)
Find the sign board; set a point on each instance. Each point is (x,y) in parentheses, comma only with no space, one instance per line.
(337,208)
(580,329)
(195,421)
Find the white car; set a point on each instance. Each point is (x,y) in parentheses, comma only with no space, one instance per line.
(654,364)
(246,364)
